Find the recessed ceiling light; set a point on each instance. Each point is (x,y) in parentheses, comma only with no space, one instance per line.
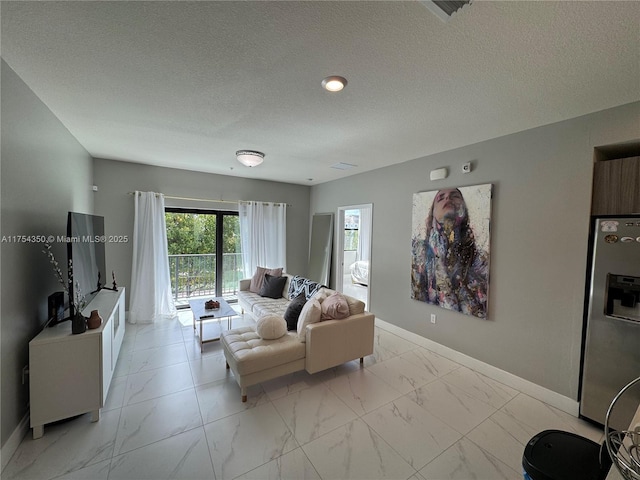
(334,83)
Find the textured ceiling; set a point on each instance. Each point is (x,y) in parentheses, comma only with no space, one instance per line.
(186,84)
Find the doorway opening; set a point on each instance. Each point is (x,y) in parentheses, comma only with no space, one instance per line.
(205,256)
(353,230)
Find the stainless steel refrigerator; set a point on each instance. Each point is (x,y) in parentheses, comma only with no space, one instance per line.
(611,355)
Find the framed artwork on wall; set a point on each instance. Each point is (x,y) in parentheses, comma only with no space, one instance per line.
(450,248)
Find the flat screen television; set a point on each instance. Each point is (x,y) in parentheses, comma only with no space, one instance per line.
(85,251)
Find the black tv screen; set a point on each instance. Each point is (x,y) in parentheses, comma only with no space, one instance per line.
(85,250)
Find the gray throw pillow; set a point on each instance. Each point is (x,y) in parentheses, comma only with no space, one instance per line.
(272,286)
(292,312)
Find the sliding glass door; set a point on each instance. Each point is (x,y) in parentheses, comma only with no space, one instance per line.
(204,253)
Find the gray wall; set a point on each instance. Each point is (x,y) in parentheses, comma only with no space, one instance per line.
(44,174)
(116,179)
(539,234)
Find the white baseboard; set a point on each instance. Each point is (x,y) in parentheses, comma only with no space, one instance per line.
(543,394)
(13,442)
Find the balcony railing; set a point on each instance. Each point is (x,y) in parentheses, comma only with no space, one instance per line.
(194,275)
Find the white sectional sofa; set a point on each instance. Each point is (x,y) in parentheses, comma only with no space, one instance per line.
(326,344)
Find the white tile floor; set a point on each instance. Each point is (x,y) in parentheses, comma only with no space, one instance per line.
(408,413)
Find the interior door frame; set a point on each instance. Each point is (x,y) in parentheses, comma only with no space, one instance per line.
(339,242)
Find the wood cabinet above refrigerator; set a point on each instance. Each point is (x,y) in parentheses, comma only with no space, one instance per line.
(616,187)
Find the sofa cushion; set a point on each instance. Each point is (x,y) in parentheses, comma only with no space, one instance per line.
(300,284)
(271,327)
(251,354)
(334,307)
(292,313)
(272,286)
(310,313)
(270,307)
(258,277)
(249,299)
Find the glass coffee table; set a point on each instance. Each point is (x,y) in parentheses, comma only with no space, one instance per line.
(202,314)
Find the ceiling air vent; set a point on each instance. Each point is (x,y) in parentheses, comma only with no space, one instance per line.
(443,10)
(342,166)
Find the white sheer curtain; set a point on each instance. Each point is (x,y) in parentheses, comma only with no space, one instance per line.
(263,235)
(151,298)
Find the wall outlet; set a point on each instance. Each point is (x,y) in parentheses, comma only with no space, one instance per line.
(433,318)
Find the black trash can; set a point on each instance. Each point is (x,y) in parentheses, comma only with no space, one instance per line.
(558,455)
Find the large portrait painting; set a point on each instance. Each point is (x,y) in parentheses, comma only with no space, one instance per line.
(450,248)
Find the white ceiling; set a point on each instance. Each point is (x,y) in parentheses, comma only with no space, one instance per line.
(186,84)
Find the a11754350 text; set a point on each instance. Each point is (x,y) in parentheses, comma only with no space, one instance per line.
(65,239)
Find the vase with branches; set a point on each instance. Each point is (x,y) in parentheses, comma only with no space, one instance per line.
(78,321)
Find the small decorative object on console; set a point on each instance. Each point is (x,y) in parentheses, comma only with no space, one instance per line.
(115,285)
(78,323)
(94,321)
(211,304)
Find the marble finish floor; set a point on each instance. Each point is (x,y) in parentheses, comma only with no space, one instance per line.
(408,413)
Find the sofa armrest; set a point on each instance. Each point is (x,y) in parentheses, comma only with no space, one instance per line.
(334,342)
(244,284)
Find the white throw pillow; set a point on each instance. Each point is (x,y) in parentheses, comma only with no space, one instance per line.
(271,327)
(310,314)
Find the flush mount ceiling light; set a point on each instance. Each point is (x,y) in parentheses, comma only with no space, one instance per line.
(334,83)
(250,158)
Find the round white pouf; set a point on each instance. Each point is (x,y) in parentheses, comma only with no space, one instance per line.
(271,327)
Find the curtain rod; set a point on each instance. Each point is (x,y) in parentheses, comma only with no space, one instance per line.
(235,202)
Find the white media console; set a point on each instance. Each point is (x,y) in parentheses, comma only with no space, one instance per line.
(70,374)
